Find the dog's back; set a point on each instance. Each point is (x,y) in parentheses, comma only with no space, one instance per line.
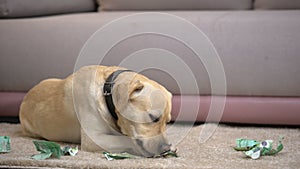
(43,112)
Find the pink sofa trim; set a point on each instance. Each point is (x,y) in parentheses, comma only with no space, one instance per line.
(250,110)
(253,110)
(10,103)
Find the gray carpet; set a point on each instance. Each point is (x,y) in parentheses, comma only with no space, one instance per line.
(217,152)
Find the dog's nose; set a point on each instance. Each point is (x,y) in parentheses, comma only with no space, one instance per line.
(165,147)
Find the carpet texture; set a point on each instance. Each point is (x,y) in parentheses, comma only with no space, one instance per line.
(217,152)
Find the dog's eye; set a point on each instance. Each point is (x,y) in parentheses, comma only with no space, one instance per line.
(138,89)
(154,118)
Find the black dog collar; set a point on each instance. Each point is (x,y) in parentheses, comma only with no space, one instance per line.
(107,91)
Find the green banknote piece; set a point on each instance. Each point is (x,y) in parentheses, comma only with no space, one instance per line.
(4,144)
(41,156)
(47,149)
(50,149)
(255,149)
(119,156)
(245,144)
(169,153)
(70,151)
(277,150)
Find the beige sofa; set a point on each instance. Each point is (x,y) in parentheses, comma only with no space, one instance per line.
(257,43)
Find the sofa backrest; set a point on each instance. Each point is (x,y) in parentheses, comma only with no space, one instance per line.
(175,4)
(112,5)
(30,8)
(277,4)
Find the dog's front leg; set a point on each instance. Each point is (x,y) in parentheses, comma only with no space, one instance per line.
(106,142)
(117,144)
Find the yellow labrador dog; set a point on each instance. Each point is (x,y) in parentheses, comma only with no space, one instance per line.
(104,108)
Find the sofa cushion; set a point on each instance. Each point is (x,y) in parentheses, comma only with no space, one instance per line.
(29,8)
(174,4)
(277,4)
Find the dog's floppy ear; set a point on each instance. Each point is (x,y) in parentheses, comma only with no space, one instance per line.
(169,115)
(135,89)
(121,96)
(169,106)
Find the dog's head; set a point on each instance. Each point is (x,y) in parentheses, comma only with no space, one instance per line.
(143,108)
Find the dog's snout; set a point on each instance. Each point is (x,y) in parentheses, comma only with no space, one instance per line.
(165,147)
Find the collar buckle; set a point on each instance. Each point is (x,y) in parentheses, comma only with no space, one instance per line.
(107,88)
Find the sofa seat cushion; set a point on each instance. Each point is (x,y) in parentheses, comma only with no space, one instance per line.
(29,8)
(174,4)
(277,4)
